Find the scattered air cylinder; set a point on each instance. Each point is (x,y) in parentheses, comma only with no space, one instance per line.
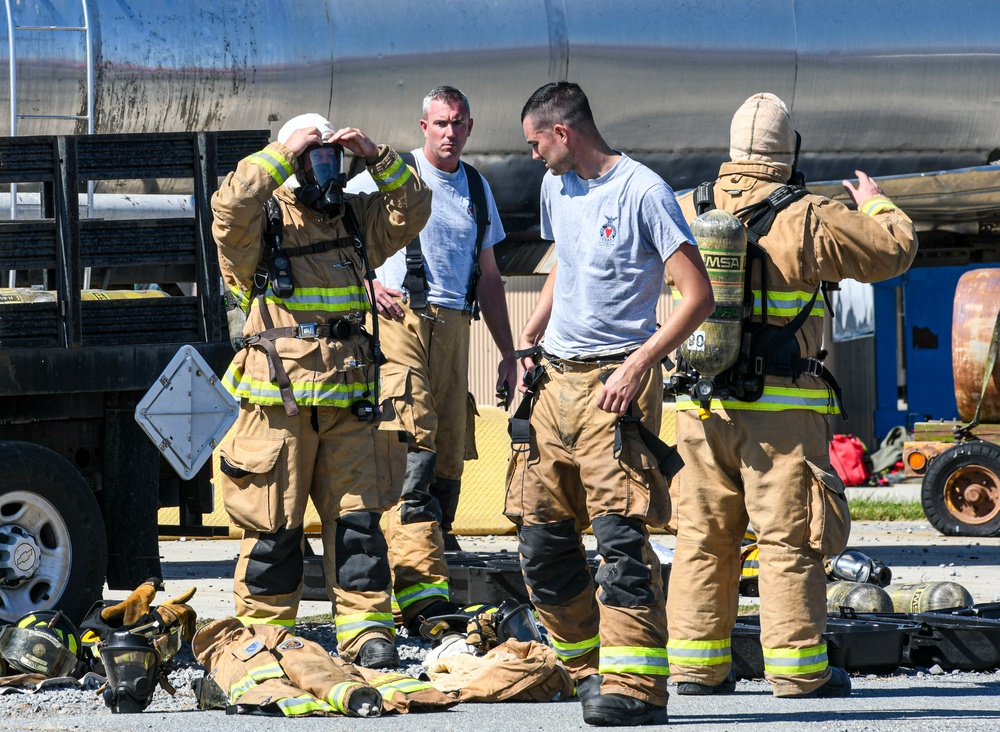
(862,596)
(722,240)
(922,597)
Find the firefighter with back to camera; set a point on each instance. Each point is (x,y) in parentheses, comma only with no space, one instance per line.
(588,453)
(294,252)
(757,449)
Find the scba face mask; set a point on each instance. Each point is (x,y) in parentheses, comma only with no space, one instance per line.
(132,663)
(323,178)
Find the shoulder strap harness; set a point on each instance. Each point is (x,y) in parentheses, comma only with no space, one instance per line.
(274,269)
(766,349)
(415,279)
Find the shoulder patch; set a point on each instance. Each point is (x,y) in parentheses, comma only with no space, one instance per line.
(290,645)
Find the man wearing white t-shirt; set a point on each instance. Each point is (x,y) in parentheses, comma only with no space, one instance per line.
(428,296)
(592,350)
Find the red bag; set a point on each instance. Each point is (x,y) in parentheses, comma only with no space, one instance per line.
(850,459)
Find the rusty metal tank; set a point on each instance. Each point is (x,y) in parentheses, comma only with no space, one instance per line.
(977,300)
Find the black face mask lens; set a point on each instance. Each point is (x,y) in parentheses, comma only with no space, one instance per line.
(323,178)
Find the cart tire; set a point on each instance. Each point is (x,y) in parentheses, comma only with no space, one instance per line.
(961,491)
(53,546)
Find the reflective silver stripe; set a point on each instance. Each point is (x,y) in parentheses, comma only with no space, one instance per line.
(396,175)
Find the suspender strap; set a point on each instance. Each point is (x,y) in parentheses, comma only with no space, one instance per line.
(477,194)
(668,460)
(276,369)
(415,279)
(520,423)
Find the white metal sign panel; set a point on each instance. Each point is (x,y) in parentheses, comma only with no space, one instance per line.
(187,412)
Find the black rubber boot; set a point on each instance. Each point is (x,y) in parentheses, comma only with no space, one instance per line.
(446,491)
(839,685)
(618,710)
(692,688)
(378,653)
(589,686)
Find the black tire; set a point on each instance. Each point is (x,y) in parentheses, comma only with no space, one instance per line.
(44,497)
(961,491)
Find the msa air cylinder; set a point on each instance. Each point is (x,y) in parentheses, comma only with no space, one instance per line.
(715,345)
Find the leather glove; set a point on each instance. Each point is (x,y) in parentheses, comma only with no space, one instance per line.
(134,609)
(481,632)
(176,612)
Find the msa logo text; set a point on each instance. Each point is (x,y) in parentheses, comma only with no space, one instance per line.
(724,261)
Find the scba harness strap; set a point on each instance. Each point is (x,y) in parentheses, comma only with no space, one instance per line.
(274,269)
(766,349)
(415,279)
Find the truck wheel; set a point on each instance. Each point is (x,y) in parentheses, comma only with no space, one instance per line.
(961,491)
(53,548)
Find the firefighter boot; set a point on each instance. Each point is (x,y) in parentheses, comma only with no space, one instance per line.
(588,686)
(618,710)
(692,688)
(838,685)
(446,491)
(378,652)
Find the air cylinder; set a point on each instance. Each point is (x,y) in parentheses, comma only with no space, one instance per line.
(862,596)
(921,597)
(973,317)
(722,241)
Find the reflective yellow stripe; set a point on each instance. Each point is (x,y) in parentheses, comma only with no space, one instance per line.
(306,393)
(774,399)
(338,695)
(322,299)
(270,670)
(789,661)
(634,660)
(409,595)
(246,620)
(396,175)
(276,165)
(699,652)
(351,626)
(296,706)
(401,685)
(788,304)
(877,205)
(574,650)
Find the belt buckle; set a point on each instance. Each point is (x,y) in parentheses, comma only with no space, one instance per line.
(308,330)
(815,367)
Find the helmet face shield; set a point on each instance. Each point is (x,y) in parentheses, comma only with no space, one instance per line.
(35,651)
(516,621)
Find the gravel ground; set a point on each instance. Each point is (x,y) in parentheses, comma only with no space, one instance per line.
(914,700)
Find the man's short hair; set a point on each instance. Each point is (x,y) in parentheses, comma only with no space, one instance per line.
(449,95)
(559,102)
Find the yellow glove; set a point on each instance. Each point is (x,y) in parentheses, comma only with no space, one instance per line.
(176,611)
(134,609)
(481,632)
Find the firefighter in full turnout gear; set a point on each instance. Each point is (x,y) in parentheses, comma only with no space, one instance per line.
(760,455)
(586,455)
(307,375)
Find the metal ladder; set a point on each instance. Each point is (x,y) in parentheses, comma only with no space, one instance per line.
(12,32)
